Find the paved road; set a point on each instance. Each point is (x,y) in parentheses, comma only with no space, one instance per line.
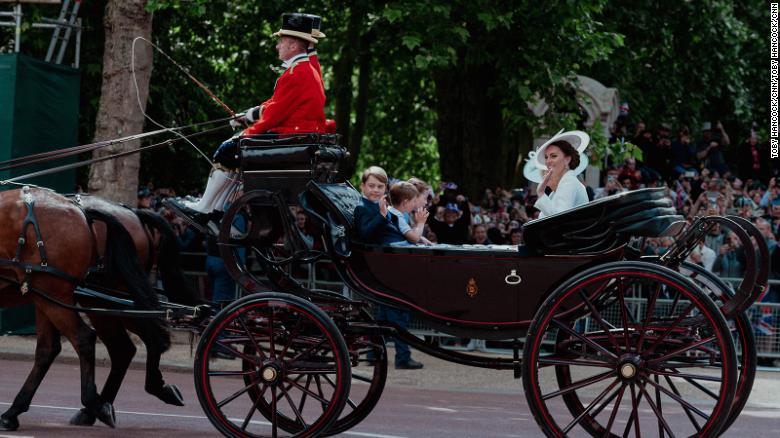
(403,411)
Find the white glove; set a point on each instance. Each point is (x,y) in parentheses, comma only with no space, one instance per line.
(238,122)
(253,114)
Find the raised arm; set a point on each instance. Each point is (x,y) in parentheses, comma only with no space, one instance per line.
(564,198)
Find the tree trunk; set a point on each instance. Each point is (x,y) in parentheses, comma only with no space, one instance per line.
(361,105)
(118,113)
(343,71)
(470,129)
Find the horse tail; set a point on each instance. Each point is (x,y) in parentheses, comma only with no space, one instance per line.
(121,260)
(178,289)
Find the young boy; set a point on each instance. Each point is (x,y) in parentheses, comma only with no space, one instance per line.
(373,224)
(420,210)
(404,200)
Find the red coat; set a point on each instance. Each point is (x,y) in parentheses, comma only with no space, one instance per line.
(330,125)
(297,104)
(315,62)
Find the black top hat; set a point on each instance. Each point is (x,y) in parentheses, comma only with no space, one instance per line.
(316,22)
(298,26)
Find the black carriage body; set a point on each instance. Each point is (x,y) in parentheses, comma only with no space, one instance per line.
(483,292)
(577,286)
(488,292)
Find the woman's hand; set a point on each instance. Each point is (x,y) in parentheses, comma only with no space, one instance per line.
(545,181)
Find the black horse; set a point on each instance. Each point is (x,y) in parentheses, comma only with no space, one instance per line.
(156,245)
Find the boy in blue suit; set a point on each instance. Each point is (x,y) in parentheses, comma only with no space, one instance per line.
(372,221)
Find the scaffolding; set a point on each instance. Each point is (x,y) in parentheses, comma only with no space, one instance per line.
(63,27)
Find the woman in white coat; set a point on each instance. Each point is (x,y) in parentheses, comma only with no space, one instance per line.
(560,156)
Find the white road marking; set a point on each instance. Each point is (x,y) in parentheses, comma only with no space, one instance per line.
(437,409)
(197,417)
(761,414)
(371,435)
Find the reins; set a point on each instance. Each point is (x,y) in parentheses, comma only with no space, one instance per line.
(75,150)
(168,142)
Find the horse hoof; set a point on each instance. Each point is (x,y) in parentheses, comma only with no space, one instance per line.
(107,415)
(9,423)
(83,418)
(171,395)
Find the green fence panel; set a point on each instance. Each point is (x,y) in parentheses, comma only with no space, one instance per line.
(39,112)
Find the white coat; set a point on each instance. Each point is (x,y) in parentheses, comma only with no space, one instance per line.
(570,193)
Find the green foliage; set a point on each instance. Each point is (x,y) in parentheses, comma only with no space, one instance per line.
(683,62)
(601,151)
(688,62)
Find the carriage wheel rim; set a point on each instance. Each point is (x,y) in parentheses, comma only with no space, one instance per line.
(628,385)
(315,427)
(744,334)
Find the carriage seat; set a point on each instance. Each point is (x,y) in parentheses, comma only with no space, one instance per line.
(605,224)
(289,152)
(286,163)
(333,205)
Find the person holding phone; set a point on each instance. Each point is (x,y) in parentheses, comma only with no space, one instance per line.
(559,156)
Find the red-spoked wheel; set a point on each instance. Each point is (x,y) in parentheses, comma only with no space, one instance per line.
(265,354)
(368,356)
(625,347)
(741,331)
(369,374)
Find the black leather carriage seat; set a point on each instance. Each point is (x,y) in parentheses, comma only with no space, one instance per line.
(605,224)
(334,205)
(286,163)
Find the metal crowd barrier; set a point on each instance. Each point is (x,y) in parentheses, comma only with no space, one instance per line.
(765,317)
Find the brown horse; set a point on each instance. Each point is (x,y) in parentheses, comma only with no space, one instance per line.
(46,249)
(155,244)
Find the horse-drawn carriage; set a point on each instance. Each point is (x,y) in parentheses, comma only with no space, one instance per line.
(607,342)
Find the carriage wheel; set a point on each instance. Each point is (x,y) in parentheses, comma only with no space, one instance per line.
(272,353)
(641,344)
(741,332)
(369,374)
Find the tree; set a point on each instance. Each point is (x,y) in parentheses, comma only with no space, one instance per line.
(689,62)
(440,88)
(118,113)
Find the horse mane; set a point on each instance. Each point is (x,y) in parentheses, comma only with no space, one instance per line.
(176,287)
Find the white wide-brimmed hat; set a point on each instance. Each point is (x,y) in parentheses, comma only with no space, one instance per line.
(578,139)
(535,174)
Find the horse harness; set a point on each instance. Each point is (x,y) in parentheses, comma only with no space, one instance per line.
(31,221)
